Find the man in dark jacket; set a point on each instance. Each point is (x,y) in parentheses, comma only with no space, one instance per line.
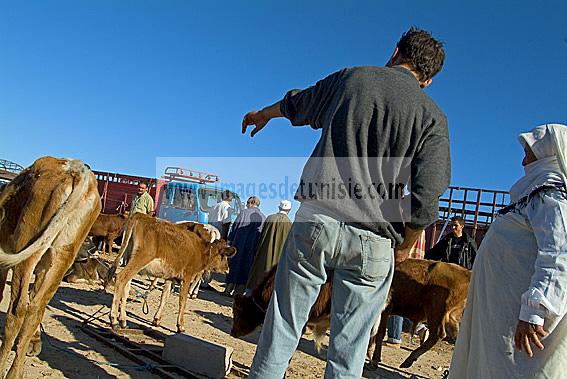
(244,237)
(456,247)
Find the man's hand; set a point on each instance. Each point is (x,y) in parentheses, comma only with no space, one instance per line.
(402,251)
(401,255)
(260,118)
(256,118)
(527,334)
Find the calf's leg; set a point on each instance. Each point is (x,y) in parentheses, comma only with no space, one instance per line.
(17,309)
(165,292)
(122,286)
(34,347)
(319,331)
(376,340)
(110,241)
(436,332)
(42,295)
(194,287)
(183,291)
(153,285)
(43,290)
(122,318)
(108,244)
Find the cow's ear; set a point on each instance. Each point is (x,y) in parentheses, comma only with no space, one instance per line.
(202,232)
(190,226)
(228,251)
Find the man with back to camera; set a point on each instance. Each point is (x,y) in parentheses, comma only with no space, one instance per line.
(376,122)
(220,215)
(270,244)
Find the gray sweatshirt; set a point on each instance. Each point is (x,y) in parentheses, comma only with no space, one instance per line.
(380,131)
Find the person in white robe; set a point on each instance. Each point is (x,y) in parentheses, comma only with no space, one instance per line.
(514,324)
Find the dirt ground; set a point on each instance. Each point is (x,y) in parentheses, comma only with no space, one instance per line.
(68,352)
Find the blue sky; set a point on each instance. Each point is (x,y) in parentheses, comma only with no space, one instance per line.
(119,83)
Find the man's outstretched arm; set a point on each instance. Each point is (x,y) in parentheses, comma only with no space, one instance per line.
(301,107)
(260,118)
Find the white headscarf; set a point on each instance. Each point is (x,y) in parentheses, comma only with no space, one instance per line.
(549,144)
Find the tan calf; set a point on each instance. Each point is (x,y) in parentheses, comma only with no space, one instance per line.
(108,227)
(87,268)
(45,215)
(168,251)
(211,234)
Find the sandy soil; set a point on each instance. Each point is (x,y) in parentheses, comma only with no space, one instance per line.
(70,353)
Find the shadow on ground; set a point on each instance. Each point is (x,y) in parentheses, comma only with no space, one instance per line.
(85,356)
(306,346)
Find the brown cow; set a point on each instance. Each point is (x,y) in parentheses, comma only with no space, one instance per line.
(168,251)
(249,311)
(108,227)
(87,268)
(422,291)
(211,234)
(45,215)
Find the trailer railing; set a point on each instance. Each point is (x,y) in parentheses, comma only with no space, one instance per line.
(117,190)
(180,174)
(9,170)
(477,206)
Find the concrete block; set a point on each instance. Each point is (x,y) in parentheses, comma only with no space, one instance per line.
(198,356)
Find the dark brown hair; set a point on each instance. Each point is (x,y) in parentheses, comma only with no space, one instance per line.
(459,219)
(422,52)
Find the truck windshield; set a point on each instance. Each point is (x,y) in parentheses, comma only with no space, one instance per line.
(184,198)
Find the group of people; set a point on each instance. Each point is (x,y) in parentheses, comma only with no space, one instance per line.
(258,240)
(514,324)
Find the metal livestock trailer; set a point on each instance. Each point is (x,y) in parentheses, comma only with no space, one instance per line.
(117,190)
(8,170)
(476,205)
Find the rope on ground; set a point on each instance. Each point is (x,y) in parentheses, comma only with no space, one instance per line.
(92,317)
(145,306)
(95,256)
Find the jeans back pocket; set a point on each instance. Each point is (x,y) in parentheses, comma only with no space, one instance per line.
(377,255)
(305,235)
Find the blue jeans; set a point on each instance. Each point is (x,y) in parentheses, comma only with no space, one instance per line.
(363,265)
(395,324)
